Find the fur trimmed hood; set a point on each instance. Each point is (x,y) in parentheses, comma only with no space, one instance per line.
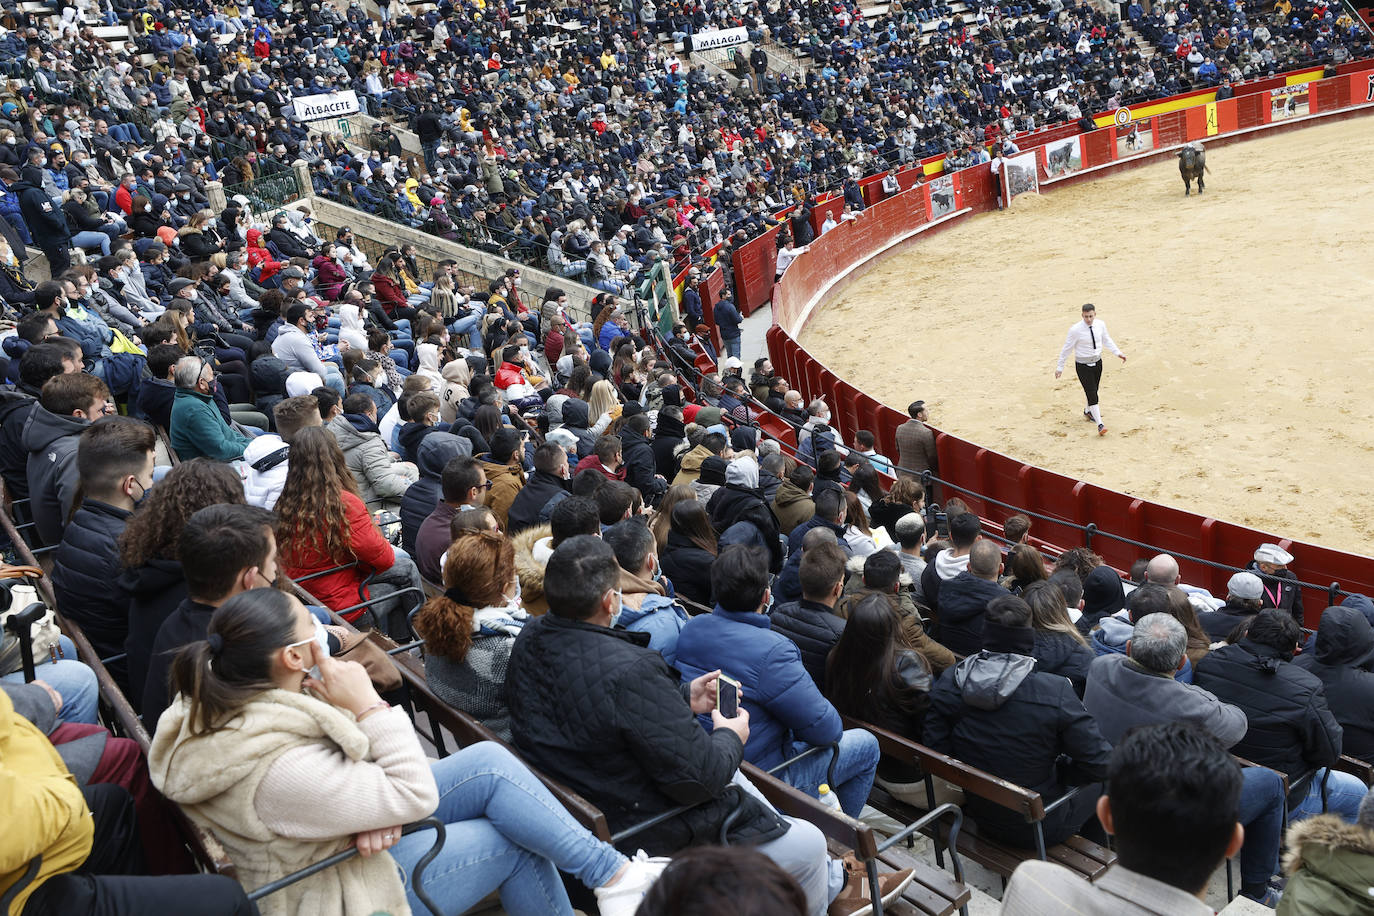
(1330,832)
(530,558)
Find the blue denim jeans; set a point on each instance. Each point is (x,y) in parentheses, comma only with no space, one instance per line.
(1343,796)
(732,346)
(855,768)
(89,238)
(468,325)
(72,679)
(1261,813)
(506,833)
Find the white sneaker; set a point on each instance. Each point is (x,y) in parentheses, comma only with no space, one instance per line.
(623,897)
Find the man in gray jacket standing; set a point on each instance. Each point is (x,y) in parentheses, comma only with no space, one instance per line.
(1138,689)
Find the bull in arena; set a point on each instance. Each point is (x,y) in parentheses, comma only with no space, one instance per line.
(1192,162)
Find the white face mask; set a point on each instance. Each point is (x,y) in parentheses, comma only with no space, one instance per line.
(147,208)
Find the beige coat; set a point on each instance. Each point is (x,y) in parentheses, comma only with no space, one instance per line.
(289,783)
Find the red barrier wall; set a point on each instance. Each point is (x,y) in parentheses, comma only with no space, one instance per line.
(846,253)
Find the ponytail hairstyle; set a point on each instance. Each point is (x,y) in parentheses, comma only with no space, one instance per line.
(221,673)
(478,567)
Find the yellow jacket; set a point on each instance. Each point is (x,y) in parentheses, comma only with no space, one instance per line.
(45,812)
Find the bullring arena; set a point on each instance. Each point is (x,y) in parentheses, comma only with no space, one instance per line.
(1244,312)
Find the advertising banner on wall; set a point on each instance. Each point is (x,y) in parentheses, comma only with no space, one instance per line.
(1022,175)
(1135,137)
(1062,157)
(326,105)
(1288,102)
(942,200)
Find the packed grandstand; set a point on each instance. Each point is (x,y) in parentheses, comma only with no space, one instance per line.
(343,579)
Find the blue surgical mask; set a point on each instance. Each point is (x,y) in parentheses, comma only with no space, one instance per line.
(619,607)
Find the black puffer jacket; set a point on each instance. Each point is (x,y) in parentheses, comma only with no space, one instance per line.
(155,590)
(1343,660)
(994,712)
(814,628)
(640,466)
(1291,726)
(15,406)
(533,496)
(689,568)
(609,717)
(668,436)
(85,576)
(1060,653)
(963,600)
(735,503)
(1218,624)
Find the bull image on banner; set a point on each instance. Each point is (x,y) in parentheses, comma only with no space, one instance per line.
(1062,157)
(1288,102)
(942,202)
(1023,175)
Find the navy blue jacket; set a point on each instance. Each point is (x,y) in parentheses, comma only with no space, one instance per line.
(963,600)
(727,319)
(787,713)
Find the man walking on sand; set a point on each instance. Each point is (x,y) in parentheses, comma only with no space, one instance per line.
(1085,341)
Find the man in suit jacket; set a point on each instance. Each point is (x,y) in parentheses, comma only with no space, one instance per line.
(1172,797)
(916,444)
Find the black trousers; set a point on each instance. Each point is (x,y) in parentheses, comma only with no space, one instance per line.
(108,883)
(1089,376)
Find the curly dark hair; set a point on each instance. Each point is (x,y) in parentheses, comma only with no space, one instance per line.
(310,510)
(479,566)
(155,529)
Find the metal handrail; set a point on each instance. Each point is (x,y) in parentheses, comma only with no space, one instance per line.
(417,876)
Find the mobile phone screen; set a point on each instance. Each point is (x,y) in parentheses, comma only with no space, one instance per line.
(727,697)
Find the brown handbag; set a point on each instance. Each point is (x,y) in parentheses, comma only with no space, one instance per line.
(354,646)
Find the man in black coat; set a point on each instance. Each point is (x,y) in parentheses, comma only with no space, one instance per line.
(671,433)
(739,503)
(811,623)
(1343,659)
(225,550)
(115,464)
(1291,729)
(47,225)
(994,711)
(548,480)
(1280,584)
(830,514)
(599,708)
(965,598)
(637,454)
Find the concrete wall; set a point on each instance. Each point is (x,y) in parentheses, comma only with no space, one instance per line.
(382,233)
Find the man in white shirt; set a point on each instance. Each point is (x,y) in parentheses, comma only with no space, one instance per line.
(830,222)
(787,254)
(1085,341)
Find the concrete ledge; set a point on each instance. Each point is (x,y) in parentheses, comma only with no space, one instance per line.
(331,215)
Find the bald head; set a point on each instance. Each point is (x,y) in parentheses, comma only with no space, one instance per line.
(1162,570)
(984,560)
(817,536)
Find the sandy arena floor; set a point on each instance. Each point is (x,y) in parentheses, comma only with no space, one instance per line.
(1247,316)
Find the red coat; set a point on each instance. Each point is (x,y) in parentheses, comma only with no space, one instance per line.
(591,462)
(340,589)
(329,277)
(389,294)
(553,346)
(510,374)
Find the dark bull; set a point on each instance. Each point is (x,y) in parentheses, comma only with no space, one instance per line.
(1192,162)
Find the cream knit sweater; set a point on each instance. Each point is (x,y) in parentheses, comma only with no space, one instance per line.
(288,782)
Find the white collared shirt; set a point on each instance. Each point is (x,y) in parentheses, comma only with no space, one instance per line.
(1086,342)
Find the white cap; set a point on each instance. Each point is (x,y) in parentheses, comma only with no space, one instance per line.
(1273,553)
(299,383)
(1245,585)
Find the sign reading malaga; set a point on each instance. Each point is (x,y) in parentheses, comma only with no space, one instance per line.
(719,38)
(328,105)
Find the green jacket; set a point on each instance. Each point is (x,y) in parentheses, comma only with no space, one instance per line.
(1331,869)
(199,430)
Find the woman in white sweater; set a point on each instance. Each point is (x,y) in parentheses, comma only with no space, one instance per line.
(290,756)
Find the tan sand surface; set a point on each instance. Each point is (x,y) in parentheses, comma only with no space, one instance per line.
(1247,315)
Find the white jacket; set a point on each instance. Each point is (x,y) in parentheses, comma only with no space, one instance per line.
(263,487)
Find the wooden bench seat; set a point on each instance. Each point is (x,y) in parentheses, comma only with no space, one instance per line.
(1082,856)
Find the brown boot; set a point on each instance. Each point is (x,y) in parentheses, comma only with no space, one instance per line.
(855,899)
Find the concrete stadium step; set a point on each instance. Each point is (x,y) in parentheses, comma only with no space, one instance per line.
(1147,50)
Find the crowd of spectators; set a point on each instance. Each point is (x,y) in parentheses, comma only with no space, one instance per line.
(594,542)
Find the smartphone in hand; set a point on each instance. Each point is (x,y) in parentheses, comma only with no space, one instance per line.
(727,696)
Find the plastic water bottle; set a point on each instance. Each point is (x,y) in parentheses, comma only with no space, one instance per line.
(827,797)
